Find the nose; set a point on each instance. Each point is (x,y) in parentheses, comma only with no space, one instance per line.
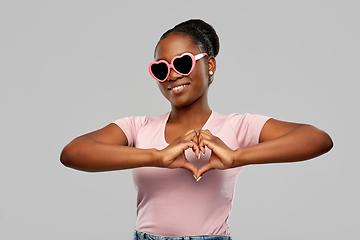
(173,75)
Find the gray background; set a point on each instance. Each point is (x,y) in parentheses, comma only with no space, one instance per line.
(70,67)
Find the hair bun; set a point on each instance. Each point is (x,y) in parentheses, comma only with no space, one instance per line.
(207,30)
(201,33)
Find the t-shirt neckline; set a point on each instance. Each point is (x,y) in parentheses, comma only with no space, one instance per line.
(166,117)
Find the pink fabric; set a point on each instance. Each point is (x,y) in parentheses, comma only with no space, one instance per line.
(169,201)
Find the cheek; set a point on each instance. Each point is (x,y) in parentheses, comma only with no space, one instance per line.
(201,73)
(162,89)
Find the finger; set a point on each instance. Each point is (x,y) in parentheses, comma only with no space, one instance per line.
(206,140)
(179,148)
(190,131)
(187,136)
(196,149)
(185,145)
(202,136)
(191,167)
(208,143)
(207,131)
(204,169)
(201,144)
(196,137)
(191,136)
(205,134)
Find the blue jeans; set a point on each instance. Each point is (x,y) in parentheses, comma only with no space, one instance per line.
(145,236)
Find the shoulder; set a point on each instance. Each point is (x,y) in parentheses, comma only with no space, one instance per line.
(132,126)
(139,121)
(131,121)
(246,124)
(242,119)
(242,129)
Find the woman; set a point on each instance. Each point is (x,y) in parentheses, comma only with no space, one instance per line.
(191,140)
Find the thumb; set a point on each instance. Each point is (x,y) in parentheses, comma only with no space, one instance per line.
(204,169)
(191,167)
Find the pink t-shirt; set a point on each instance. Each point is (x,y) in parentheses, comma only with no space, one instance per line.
(169,201)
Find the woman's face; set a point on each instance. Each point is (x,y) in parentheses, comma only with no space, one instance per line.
(182,91)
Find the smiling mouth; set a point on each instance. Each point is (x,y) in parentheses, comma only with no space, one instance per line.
(178,87)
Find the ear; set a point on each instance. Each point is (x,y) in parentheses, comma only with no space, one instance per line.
(211,65)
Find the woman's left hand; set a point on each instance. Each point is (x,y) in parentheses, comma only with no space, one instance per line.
(221,156)
(279,142)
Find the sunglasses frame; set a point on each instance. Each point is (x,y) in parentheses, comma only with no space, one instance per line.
(171,65)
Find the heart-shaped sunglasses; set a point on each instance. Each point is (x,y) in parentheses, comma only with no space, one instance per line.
(183,64)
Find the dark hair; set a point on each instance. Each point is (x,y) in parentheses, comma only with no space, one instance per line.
(202,33)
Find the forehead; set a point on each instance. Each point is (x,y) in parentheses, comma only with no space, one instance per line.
(174,45)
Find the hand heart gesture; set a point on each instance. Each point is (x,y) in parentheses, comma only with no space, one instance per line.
(173,156)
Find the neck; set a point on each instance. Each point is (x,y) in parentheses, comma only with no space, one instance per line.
(196,113)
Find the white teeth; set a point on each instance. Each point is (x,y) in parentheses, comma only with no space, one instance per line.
(178,87)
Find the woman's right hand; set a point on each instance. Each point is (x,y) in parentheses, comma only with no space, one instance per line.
(173,156)
(106,150)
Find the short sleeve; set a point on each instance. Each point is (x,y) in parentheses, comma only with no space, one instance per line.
(247,128)
(130,126)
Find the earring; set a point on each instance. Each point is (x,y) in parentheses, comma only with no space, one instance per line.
(211,73)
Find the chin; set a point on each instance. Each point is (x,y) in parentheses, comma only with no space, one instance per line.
(181,104)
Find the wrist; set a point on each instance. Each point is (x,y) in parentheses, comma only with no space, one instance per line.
(239,158)
(157,158)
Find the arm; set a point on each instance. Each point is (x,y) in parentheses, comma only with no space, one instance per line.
(279,142)
(284,142)
(106,150)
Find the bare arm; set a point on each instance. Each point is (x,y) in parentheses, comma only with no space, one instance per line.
(285,142)
(279,142)
(105,150)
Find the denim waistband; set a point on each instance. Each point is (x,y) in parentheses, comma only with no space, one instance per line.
(145,236)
